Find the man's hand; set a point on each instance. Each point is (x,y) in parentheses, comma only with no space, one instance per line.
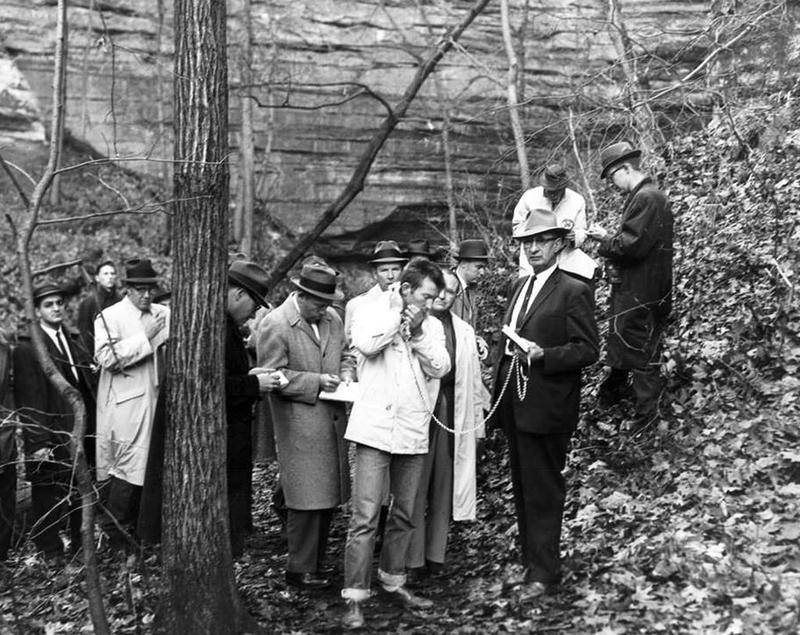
(596,232)
(395,299)
(529,350)
(328,383)
(268,378)
(483,348)
(414,317)
(154,324)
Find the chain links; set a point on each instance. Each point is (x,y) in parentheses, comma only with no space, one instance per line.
(514,369)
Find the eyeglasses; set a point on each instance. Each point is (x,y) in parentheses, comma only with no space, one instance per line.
(540,240)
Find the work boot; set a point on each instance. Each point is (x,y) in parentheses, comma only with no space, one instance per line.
(353,618)
(409,599)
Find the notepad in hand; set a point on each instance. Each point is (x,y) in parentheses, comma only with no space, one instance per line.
(344,392)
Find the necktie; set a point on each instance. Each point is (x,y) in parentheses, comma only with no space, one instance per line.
(66,367)
(524,308)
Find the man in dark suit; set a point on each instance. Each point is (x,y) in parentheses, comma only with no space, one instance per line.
(552,314)
(47,421)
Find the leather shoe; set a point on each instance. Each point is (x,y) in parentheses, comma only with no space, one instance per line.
(415,577)
(532,590)
(309,581)
(411,600)
(353,618)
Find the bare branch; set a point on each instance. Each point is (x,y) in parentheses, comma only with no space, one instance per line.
(363,90)
(14,181)
(56,267)
(143,209)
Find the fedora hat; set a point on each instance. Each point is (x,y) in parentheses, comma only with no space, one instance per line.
(387,251)
(318,280)
(420,247)
(539,221)
(555,177)
(45,289)
(472,249)
(140,271)
(615,154)
(250,277)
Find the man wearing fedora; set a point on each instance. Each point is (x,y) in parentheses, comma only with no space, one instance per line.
(553,314)
(471,259)
(247,290)
(47,420)
(304,340)
(404,357)
(420,247)
(387,262)
(639,257)
(554,194)
(128,336)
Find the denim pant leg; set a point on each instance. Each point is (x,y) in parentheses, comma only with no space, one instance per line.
(371,472)
(404,477)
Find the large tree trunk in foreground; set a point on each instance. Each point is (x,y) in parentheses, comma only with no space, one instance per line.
(201,595)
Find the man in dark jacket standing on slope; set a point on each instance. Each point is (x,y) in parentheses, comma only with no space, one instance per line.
(247,288)
(639,255)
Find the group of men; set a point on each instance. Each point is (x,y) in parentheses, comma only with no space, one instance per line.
(398,377)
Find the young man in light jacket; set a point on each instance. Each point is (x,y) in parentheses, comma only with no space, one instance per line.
(404,357)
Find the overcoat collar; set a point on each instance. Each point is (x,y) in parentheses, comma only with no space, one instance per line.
(635,190)
(296,321)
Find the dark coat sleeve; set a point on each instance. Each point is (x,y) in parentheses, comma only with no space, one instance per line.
(582,346)
(640,230)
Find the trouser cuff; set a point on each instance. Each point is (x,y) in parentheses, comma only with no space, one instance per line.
(358,595)
(391,581)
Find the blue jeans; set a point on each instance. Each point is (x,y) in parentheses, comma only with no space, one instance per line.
(372,468)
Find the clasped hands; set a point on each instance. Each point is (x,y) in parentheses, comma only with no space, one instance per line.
(411,315)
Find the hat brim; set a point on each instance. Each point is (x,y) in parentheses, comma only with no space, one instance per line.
(621,159)
(336,295)
(153,281)
(386,261)
(541,229)
(239,281)
(485,258)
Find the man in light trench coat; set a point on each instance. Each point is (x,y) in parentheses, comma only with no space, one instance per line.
(304,340)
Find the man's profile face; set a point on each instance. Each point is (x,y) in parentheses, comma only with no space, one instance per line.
(312,308)
(106,276)
(422,296)
(543,249)
(471,270)
(51,311)
(554,195)
(444,301)
(241,306)
(141,295)
(387,273)
(619,177)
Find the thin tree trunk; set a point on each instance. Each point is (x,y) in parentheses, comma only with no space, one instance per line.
(201,595)
(513,102)
(22,236)
(247,150)
(58,131)
(581,170)
(356,183)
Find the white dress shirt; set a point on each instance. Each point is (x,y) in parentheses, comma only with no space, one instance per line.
(537,282)
(53,335)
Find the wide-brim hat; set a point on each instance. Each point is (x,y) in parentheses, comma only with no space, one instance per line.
(539,221)
(250,277)
(554,177)
(420,247)
(615,154)
(47,288)
(140,271)
(387,251)
(318,280)
(472,249)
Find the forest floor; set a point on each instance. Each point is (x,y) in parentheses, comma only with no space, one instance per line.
(689,527)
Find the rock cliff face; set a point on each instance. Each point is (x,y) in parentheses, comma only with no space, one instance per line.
(312,56)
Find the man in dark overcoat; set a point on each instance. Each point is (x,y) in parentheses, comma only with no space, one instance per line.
(48,421)
(304,340)
(553,315)
(639,257)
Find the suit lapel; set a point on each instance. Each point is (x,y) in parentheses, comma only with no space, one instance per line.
(297,321)
(546,290)
(324,327)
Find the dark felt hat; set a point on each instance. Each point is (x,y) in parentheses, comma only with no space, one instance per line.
(318,280)
(45,289)
(387,251)
(555,177)
(420,247)
(472,249)
(140,271)
(539,221)
(615,154)
(250,277)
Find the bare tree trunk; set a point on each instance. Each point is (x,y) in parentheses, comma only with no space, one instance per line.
(23,233)
(160,113)
(87,46)
(513,102)
(247,164)
(356,183)
(201,595)
(581,170)
(58,131)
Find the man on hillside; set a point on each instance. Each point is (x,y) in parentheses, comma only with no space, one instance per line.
(639,257)
(102,294)
(128,336)
(303,339)
(552,314)
(448,484)
(471,259)
(553,194)
(404,356)
(47,421)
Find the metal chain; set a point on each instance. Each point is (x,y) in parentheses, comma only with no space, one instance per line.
(522,390)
